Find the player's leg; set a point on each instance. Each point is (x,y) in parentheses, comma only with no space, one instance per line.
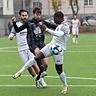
(45,62)
(25,55)
(59,68)
(36,52)
(25,59)
(62,76)
(44,53)
(74,37)
(30,63)
(40,83)
(77,32)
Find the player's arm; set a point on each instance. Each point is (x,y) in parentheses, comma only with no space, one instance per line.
(55,33)
(12,34)
(22,27)
(79,23)
(50,25)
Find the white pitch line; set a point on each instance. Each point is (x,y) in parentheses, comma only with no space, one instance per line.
(80,78)
(81,51)
(48,85)
(8,47)
(82,45)
(8,51)
(12,47)
(12,51)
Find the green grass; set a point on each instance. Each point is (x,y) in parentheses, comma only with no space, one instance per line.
(79,61)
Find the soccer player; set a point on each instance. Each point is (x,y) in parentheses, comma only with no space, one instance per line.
(23,48)
(38,36)
(60,36)
(75,28)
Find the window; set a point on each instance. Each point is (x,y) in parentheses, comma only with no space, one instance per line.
(37,4)
(88,2)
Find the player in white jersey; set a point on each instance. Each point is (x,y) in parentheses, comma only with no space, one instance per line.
(60,36)
(75,28)
(23,48)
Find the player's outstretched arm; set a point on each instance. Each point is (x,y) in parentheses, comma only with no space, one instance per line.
(49,25)
(18,29)
(55,33)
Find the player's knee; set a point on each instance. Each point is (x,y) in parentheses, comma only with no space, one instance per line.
(58,69)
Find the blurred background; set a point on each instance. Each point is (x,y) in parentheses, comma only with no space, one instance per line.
(82,8)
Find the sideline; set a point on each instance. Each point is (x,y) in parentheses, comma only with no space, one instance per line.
(47,85)
(79,78)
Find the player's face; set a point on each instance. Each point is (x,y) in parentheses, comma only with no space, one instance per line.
(75,17)
(58,20)
(37,16)
(24,16)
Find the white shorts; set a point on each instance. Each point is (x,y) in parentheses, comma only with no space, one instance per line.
(26,55)
(75,31)
(57,58)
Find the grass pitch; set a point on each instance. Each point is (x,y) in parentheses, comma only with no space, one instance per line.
(79,65)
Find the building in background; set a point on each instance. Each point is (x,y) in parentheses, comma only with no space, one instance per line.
(12,7)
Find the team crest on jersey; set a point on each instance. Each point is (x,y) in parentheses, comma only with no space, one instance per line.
(37,30)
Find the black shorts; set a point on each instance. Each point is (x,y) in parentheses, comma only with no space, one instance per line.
(38,46)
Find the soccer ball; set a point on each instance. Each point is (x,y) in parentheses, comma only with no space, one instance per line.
(56,49)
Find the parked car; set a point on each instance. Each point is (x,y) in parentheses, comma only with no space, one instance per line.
(89,20)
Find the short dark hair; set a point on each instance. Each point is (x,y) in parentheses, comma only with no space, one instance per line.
(59,14)
(22,10)
(38,10)
(58,17)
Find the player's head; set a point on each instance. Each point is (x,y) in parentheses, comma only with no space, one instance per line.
(58,17)
(23,15)
(37,13)
(75,16)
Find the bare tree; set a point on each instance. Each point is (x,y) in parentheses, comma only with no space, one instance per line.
(74,6)
(56,4)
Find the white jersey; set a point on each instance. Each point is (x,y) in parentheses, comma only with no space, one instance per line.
(75,23)
(21,38)
(75,26)
(60,36)
(62,40)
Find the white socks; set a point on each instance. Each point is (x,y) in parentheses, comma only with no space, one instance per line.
(63,78)
(73,40)
(28,64)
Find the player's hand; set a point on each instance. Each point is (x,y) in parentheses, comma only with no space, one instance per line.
(43,26)
(11,36)
(13,19)
(36,51)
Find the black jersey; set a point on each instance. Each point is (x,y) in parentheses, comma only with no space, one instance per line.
(35,32)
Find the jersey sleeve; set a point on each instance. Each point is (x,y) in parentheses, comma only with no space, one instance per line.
(65,28)
(57,33)
(13,31)
(49,25)
(18,29)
